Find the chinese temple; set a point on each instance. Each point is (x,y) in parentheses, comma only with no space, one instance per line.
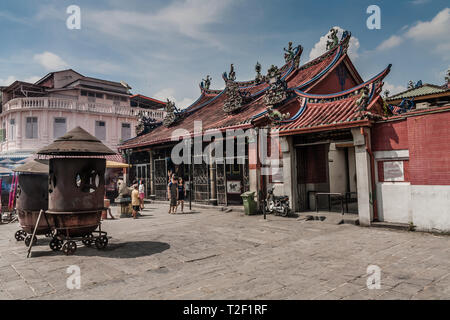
(323,116)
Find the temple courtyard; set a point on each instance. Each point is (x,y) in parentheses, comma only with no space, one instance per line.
(214,254)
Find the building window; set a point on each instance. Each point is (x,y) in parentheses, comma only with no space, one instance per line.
(12,129)
(99,95)
(59,127)
(3,132)
(84,93)
(100,130)
(31,129)
(126,131)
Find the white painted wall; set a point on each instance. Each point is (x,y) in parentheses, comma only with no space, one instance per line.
(431,208)
(394,202)
(426,207)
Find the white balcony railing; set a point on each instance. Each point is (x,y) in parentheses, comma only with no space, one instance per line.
(74,105)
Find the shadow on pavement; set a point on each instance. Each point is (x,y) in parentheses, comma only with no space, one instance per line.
(123,250)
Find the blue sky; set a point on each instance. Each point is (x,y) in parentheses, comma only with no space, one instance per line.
(164,48)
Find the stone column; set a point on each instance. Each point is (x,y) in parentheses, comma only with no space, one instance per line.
(152,184)
(363,177)
(254,172)
(289,170)
(20,129)
(212,180)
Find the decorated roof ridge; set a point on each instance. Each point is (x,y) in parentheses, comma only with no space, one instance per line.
(329,97)
(343,46)
(193,106)
(400,95)
(204,88)
(375,84)
(285,69)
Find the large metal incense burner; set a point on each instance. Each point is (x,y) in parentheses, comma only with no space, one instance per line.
(31,197)
(76,188)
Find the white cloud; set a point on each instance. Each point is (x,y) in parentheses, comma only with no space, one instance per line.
(393,89)
(169,93)
(434,34)
(7,81)
(418,2)
(50,61)
(321,46)
(187,18)
(10,79)
(32,79)
(392,42)
(436,29)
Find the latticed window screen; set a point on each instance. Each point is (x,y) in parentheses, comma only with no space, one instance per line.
(12,129)
(100,130)
(126,131)
(31,128)
(59,127)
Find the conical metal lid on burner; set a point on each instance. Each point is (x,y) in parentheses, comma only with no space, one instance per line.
(76,142)
(34,166)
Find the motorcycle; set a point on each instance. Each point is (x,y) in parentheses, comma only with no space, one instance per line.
(277,205)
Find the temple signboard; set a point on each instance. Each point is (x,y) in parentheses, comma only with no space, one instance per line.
(393,171)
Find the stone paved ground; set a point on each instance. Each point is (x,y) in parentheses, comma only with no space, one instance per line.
(218,255)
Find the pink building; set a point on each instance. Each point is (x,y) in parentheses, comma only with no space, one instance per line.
(33,115)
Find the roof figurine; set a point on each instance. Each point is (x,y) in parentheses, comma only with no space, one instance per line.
(232,74)
(258,77)
(333,42)
(363,100)
(206,83)
(171,114)
(76,142)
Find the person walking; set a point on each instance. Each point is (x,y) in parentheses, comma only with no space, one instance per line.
(181,193)
(135,201)
(141,193)
(172,192)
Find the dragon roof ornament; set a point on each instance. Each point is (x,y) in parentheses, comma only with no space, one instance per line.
(277,91)
(172,114)
(234,98)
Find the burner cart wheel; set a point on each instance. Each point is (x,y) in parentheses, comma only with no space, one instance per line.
(88,240)
(69,247)
(56,244)
(28,240)
(101,242)
(20,235)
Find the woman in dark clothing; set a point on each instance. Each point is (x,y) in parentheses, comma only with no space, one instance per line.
(172,192)
(181,193)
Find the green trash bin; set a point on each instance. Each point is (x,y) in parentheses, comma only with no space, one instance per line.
(249,202)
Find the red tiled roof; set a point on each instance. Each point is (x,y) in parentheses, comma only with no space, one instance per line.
(321,114)
(208,108)
(212,117)
(310,70)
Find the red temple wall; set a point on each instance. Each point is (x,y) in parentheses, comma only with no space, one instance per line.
(332,82)
(427,139)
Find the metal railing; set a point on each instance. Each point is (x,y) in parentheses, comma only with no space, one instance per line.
(343,197)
